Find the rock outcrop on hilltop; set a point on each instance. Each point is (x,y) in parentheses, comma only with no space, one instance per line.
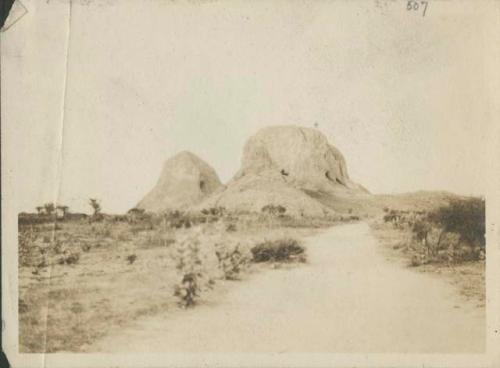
(284,165)
(185,181)
(302,156)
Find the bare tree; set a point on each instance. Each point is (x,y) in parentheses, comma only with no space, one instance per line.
(96,206)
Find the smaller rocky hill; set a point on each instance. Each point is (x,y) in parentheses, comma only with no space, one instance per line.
(185,181)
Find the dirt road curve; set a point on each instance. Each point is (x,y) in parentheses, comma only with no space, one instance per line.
(348,298)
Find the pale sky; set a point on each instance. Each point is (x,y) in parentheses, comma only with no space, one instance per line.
(93,104)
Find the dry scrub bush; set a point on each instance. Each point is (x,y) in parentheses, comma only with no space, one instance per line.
(214,211)
(203,254)
(189,264)
(463,217)
(274,210)
(281,250)
(450,234)
(131,258)
(231,261)
(69,258)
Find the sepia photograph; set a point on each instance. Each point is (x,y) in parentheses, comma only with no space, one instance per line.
(250,183)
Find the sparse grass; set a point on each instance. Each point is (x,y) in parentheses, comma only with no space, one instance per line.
(468,277)
(91,276)
(157,238)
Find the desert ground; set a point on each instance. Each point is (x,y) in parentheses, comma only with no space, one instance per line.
(111,286)
(289,255)
(79,279)
(347,298)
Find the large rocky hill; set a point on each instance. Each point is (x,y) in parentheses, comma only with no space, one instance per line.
(301,155)
(286,166)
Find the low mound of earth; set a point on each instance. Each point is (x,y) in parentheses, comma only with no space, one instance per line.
(253,192)
(185,180)
(375,204)
(282,166)
(416,201)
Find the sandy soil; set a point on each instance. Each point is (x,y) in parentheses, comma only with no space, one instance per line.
(347,298)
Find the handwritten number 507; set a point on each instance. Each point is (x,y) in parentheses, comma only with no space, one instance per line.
(417,5)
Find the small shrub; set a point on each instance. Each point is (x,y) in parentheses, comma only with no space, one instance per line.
(73,258)
(69,258)
(274,210)
(86,247)
(179,220)
(416,260)
(187,290)
(214,211)
(131,258)
(281,250)
(190,266)
(230,262)
(421,229)
(391,216)
(464,217)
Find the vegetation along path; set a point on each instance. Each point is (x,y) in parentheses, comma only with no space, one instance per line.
(347,298)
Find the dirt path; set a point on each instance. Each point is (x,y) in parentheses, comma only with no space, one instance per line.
(348,298)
